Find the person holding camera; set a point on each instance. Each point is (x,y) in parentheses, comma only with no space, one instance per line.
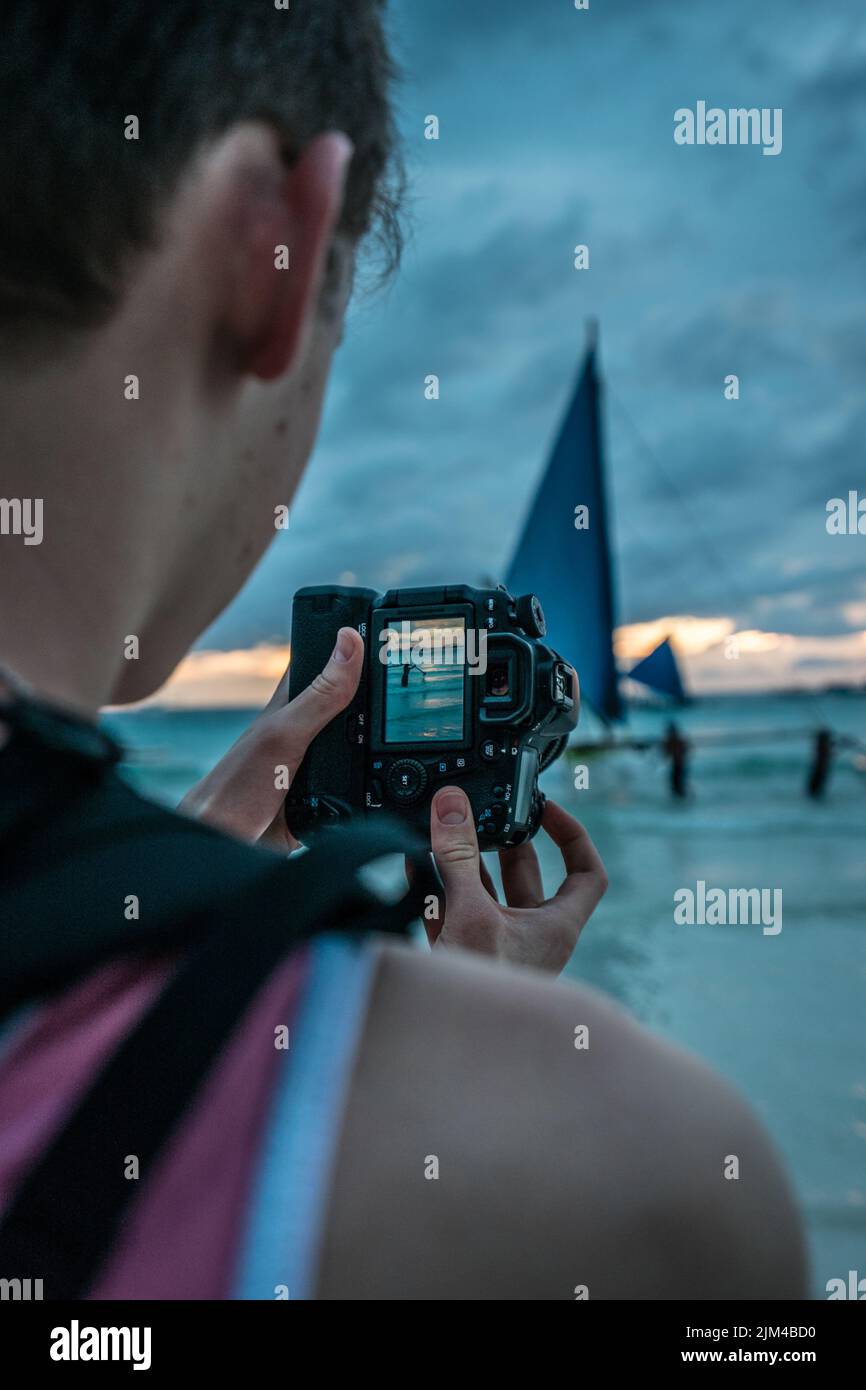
(223,1073)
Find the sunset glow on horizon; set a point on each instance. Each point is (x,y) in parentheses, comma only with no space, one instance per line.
(716,658)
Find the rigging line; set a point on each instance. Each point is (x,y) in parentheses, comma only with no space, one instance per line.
(666,562)
(708,547)
(635,539)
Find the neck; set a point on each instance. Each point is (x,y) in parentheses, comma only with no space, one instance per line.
(69,602)
(74,656)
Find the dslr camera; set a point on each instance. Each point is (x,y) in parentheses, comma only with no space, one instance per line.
(457,687)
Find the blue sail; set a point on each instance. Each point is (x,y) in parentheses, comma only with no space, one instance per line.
(660,672)
(570,569)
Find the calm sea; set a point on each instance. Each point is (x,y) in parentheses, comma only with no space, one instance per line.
(782,1016)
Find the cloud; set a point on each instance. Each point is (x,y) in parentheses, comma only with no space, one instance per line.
(557,129)
(714,654)
(241,679)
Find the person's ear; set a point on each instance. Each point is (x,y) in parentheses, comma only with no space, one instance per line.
(287,255)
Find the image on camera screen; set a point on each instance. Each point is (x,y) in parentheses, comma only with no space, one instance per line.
(425,681)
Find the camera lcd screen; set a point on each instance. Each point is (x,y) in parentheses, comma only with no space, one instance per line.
(425,680)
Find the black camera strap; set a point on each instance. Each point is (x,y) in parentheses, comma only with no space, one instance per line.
(67,1213)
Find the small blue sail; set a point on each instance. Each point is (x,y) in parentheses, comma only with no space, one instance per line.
(660,672)
(570,568)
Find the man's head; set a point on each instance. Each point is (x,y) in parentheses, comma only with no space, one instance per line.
(186,184)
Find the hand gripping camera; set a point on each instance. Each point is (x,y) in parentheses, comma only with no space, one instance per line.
(457,687)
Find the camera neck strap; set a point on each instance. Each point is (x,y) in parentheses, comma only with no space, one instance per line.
(67,1213)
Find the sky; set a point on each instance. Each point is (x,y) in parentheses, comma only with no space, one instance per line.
(556,129)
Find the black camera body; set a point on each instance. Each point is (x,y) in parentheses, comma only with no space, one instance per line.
(457,688)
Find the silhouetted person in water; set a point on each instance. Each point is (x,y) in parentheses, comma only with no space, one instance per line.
(676,749)
(822,761)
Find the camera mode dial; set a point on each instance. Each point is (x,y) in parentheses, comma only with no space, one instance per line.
(530,615)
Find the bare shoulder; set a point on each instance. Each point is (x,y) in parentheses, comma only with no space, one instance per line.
(510,1136)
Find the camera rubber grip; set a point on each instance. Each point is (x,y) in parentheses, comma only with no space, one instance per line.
(334,762)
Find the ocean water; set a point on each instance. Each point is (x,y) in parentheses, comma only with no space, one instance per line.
(782,1016)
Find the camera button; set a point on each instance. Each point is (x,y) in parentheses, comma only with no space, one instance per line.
(446,767)
(406,780)
(498,792)
(491,751)
(561,685)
